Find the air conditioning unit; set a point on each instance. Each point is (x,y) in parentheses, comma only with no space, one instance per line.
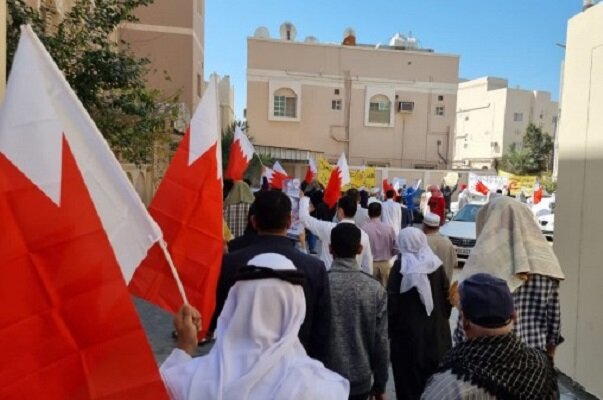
(406,106)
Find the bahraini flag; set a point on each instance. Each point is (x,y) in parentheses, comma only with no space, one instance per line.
(279,176)
(188,208)
(537,197)
(241,153)
(340,176)
(72,229)
(275,175)
(481,188)
(311,172)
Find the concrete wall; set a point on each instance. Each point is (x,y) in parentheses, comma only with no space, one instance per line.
(172,38)
(316,72)
(485,125)
(141,178)
(226,95)
(578,207)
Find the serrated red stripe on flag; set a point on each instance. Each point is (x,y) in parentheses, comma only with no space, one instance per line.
(188,208)
(333,189)
(237,163)
(68,327)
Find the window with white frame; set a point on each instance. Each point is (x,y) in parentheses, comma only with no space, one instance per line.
(379,110)
(518,117)
(336,104)
(439,111)
(285,103)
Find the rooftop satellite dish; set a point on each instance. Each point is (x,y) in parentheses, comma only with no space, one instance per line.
(310,39)
(288,31)
(262,33)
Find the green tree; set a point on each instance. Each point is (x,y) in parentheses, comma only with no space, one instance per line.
(534,155)
(540,145)
(108,79)
(254,170)
(518,161)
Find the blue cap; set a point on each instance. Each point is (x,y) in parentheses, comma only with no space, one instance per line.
(486,301)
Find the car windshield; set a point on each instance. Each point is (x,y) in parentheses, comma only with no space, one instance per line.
(467,213)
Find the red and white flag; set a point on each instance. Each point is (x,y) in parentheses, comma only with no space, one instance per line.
(188,208)
(340,176)
(481,188)
(312,171)
(537,198)
(275,175)
(386,186)
(241,153)
(73,231)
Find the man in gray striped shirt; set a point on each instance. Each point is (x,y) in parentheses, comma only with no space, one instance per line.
(493,363)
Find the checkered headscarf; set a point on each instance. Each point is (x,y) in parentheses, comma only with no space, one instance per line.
(503,366)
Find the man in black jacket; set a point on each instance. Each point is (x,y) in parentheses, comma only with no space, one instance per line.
(272,219)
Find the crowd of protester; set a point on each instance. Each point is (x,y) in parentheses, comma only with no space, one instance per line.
(324,315)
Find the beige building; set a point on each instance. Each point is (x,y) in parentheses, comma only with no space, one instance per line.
(491,117)
(226,96)
(380,105)
(579,219)
(172,38)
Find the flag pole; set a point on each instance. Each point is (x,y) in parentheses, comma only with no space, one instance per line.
(168,257)
(255,154)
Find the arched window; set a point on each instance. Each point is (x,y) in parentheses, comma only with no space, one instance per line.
(285,103)
(380,110)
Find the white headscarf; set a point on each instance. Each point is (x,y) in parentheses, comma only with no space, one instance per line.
(257,354)
(510,244)
(417,261)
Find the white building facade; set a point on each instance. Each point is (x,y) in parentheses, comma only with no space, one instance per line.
(491,117)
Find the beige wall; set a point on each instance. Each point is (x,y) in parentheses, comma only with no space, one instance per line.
(141,177)
(485,125)
(316,71)
(226,95)
(578,210)
(361,61)
(171,36)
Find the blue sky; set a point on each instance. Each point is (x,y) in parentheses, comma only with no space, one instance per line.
(513,39)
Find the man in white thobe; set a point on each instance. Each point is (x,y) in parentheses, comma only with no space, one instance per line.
(391,212)
(346,210)
(257,354)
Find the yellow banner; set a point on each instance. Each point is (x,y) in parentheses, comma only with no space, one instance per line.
(518,183)
(359,178)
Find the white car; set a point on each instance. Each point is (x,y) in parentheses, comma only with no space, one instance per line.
(547,226)
(461,230)
(545,207)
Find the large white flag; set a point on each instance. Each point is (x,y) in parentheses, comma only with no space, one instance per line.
(40,109)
